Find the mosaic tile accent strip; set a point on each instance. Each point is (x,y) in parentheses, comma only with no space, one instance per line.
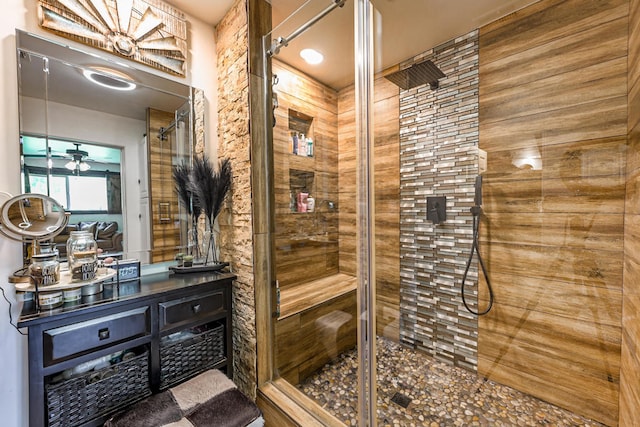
(438,157)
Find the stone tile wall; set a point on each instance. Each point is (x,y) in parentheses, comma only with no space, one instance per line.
(438,157)
(235,221)
(199,110)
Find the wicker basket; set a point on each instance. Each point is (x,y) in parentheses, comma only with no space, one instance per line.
(97,393)
(184,358)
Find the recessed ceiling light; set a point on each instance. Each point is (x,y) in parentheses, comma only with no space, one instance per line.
(312,56)
(109,79)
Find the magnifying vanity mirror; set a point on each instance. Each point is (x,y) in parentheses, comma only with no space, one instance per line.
(101,137)
(32,218)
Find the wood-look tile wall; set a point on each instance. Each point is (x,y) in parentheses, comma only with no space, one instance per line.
(310,246)
(630,363)
(553,120)
(306,243)
(387,198)
(165,232)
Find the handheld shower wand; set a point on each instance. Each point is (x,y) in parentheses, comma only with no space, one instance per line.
(475,212)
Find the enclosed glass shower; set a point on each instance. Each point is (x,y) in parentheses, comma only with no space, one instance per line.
(380,158)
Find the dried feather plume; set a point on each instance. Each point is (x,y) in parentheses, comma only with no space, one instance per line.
(210,187)
(181,178)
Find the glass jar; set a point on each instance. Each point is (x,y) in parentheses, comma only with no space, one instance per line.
(82,256)
(47,248)
(44,270)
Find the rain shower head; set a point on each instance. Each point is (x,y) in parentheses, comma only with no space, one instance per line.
(416,75)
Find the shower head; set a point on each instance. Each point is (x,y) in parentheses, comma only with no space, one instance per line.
(416,75)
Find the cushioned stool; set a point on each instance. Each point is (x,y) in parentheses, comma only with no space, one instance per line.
(208,400)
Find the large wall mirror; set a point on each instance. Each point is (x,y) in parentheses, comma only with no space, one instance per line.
(101,137)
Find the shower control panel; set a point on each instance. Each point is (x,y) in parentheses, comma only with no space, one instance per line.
(437,209)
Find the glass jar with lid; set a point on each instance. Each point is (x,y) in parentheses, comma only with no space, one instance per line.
(82,256)
(44,269)
(47,248)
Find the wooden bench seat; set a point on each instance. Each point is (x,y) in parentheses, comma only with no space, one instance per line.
(317,322)
(304,296)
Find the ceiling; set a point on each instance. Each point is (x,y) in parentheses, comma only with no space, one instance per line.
(405,28)
(65,84)
(208,11)
(408,27)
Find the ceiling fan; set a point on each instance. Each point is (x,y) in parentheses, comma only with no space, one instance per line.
(77,162)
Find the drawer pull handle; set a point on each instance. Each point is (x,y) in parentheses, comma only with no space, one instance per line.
(196,308)
(103,334)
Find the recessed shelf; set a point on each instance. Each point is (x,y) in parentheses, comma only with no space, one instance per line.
(301,134)
(300,122)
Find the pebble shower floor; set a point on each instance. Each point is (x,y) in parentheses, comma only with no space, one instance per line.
(439,395)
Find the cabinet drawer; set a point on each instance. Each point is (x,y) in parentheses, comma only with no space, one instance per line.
(83,337)
(185,310)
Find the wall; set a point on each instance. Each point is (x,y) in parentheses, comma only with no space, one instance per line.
(438,157)
(165,225)
(553,120)
(387,198)
(22,14)
(306,243)
(335,180)
(236,223)
(630,363)
(13,354)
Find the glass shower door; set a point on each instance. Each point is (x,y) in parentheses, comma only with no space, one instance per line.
(318,207)
(324,228)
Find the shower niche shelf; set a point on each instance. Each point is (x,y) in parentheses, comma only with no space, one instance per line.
(300,181)
(301,138)
(301,163)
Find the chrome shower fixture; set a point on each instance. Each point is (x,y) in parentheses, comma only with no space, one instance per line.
(280,42)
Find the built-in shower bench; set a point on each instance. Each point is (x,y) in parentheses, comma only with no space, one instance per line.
(317,322)
(297,298)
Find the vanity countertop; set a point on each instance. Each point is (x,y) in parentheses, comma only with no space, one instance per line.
(152,285)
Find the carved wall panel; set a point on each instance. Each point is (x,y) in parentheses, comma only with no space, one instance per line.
(147,31)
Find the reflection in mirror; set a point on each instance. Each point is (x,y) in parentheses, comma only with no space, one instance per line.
(85,179)
(72,103)
(31,218)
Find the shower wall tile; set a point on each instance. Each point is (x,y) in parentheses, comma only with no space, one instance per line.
(553,120)
(165,237)
(630,371)
(438,157)
(387,195)
(298,257)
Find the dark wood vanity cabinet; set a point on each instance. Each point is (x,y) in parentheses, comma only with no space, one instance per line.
(140,337)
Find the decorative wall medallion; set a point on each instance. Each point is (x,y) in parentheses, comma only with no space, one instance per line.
(148,31)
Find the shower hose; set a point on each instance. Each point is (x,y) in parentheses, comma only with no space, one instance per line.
(475,211)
